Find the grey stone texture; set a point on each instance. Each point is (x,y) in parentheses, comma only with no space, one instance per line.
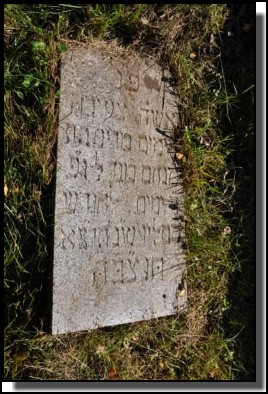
(118,243)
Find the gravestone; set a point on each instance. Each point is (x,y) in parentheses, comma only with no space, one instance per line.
(118,243)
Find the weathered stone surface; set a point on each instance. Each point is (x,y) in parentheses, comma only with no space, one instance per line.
(118,254)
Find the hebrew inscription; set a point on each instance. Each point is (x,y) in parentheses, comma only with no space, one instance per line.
(118,244)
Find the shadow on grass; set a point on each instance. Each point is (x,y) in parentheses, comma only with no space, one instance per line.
(238,60)
(43,304)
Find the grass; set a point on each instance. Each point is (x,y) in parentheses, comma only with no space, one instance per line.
(214,71)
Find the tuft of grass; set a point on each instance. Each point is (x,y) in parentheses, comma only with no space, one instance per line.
(214,74)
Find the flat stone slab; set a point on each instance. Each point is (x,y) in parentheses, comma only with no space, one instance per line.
(118,244)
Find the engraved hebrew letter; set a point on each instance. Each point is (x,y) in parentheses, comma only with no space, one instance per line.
(165,233)
(146,268)
(77,134)
(146,174)
(109,107)
(87,136)
(69,130)
(156,201)
(102,204)
(100,274)
(120,77)
(130,173)
(141,204)
(103,237)
(129,273)
(163,175)
(74,164)
(82,234)
(99,138)
(91,202)
(116,271)
(70,201)
(133,83)
(157,118)
(118,172)
(130,235)
(156,175)
(126,142)
(66,240)
(158,268)
(143,143)
(145,114)
(78,165)
(170,120)
(115,237)
(95,105)
(158,147)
